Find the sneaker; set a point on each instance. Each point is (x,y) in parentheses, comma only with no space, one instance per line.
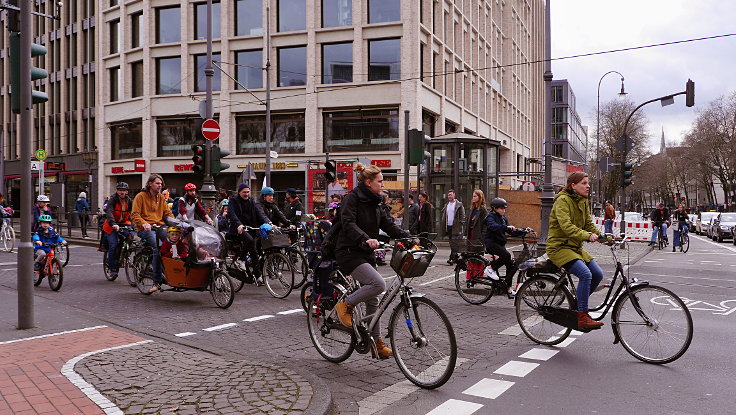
(259,281)
(490,273)
(511,293)
(344,313)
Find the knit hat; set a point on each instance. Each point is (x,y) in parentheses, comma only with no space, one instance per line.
(82,195)
(291,191)
(242,186)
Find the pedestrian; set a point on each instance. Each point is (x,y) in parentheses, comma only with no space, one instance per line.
(609,215)
(453,221)
(82,208)
(425,224)
(411,217)
(477,217)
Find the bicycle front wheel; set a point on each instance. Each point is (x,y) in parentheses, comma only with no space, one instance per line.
(685,242)
(471,283)
(8,237)
(535,297)
(222,289)
(129,270)
(332,340)
(301,266)
(278,274)
(423,343)
(106,269)
(56,275)
(62,253)
(143,271)
(664,332)
(306,294)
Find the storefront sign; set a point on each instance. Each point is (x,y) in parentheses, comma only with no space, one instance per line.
(54,165)
(140,165)
(381,163)
(183,167)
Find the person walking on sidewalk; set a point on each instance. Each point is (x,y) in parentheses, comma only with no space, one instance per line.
(425,224)
(411,217)
(570,225)
(82,208)
(477,217)
(453,220)
(609,215)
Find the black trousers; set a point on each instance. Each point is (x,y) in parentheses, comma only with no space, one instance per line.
(504,259)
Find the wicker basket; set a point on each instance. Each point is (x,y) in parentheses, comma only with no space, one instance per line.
(409,264)
(275,241)
(467,246)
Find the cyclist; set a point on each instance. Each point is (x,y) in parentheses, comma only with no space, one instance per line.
(268,209)
(294,207)
(117,215)
(360,218)
(659,218)
(242,212)
(190,207)
(173,246)
(44,234)
(40,208)
(223,220)
(150,208)
(569,225)
(497,227)
(681,217)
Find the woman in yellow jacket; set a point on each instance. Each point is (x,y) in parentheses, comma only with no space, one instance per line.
(570,225)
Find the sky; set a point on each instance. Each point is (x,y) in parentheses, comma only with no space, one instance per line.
(584,26)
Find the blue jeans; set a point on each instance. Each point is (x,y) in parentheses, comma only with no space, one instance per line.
(656,232)
(112,246)
(150,237)
(608,226)
(676,241)
(589,275)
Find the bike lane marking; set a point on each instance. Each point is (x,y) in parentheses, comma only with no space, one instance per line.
(220,327)
(456,407)
(435,280)
(716,244)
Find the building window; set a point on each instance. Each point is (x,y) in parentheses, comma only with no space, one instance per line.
(136,29)
(557,93)
(175,137)
(136,69)
(292,66)
(384,11)
(168,75)
(114,84)
(114,36)
(292,15)
(559,132)
(450,127)
(557,150)
(384,57)
(200,21)
(200,82)
(168,25)
(337,63)
(248,15)
(249,71)
(361,130)
(337,13)
(127,140)
(287,133)
(559,114)
(428,122)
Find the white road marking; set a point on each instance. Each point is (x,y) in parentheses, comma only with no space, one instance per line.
(514,330)
(435,280)
(489,388)
(52,334)
(717,244)
(258,318)
(516,368)
(566,342)
(185,334)
(539,354)
(296,310)
(455,407)
(574,332)
(220,327)
(684,277)
(83,265)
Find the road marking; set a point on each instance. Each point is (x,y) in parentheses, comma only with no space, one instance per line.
(716,244)
(185,334)
(566,342)
(83,265)
(8,263)
(574,332)
(258,318)
(516,368)
(539,354)
(643,275)
(455,407)
(296,310)
(530,321)
(220,327)
(489,388)
(514,330)
(438,279)
(52,334)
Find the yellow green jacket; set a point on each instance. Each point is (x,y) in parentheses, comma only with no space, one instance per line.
(570,225)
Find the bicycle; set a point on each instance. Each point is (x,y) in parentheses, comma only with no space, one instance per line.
(422,337)
(125,250)
(50,267)
(470,280)
(7,236)
(63,253)
(652,331)
(661,237)
(298,257)
(683,238)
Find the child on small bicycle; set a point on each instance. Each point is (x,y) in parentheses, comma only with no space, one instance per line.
(497,227)
(174,247)
(45,234)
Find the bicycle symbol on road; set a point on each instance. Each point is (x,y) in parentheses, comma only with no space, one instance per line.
(723,308)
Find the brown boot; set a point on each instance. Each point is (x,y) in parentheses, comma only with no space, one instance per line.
(344,313)
(587,323)
(384,352)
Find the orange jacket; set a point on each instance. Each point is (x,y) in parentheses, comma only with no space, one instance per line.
(149,209)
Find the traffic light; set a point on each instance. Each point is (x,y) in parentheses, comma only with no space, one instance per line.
(689,93)
(330,171)
(198,158)
(626,174)
(417,144)
(217,164)
(37,97)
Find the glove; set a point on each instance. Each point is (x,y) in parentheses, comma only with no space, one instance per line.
(265,229)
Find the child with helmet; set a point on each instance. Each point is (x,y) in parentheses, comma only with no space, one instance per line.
(497,227)
(174,246)
(44,234)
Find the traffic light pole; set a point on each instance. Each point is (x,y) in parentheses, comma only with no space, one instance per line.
(208,190)
(406,167)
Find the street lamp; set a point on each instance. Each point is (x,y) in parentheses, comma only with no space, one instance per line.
(89,158)
(598,128)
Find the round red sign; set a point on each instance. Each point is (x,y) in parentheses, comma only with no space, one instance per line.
(211,129)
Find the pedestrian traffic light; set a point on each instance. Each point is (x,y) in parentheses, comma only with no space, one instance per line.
(417,145)
(37,97)
(198,158)
(626,174)
(689,93)
(330,171)
(217,164)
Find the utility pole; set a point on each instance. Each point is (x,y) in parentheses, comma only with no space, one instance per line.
(208,190)
(548,189)
(406,168)
(268,96)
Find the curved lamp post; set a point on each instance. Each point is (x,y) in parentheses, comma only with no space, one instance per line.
(598,127)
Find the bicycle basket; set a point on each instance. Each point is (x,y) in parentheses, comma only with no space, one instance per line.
(408,263)
(520,254)
(275,241)
(467,246)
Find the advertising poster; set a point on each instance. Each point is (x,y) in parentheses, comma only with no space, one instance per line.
(316,192)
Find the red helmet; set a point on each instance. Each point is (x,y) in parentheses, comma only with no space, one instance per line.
(190,186)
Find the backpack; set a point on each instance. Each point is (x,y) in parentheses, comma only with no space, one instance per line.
(175,207)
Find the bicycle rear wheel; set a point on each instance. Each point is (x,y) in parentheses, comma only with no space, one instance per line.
(106,269)
(278,274)
(666,332)
(685,242)
(306,294)
(471,283)
(8,237)
(423,343)
(56,275)
(532,300)
(332,340)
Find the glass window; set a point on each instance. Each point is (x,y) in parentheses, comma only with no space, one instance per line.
(292,66)
(114,36)
(136,69)
(248,18)
(200,21)
(559,132)
(292,15)
(136,29)
(337,13)
(249,67)
(557,93)
(127,140)
(384,57)
(114,84)
(471,157)
(200,63)
(168,75)
(176,137)
(361,130)
(384,11)
(337,63)
(441,158)
(287,133)
(428,122)
(168,25)
(559,114)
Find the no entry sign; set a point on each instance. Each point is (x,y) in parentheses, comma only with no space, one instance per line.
(211,129)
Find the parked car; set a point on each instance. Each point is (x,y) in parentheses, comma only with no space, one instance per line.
(708,227)
(722,226)
(692,218)
(702,222)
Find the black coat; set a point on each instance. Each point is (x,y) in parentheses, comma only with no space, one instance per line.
(659,216)
(425,222)
(410,219)
(497,227)
(243,212)
(361,217)
(477,224)
(271,212)
(291,211)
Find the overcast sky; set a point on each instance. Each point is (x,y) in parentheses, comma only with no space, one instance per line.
(584,26)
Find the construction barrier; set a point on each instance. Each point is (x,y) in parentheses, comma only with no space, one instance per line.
(636,231)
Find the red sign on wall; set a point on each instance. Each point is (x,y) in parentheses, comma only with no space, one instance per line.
(140,165)
(183,167)
(381,163)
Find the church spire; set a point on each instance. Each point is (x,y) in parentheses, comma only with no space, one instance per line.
(662,146)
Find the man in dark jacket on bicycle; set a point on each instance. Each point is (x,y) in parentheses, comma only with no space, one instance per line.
(294,208)
(659,218)
(242,212)
(117,215)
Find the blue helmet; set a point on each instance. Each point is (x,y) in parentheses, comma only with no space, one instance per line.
(266,191)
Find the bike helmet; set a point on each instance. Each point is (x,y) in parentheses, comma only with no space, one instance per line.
(45,218)
(225,202)
(498,202)
(42,198)
(190,186)
(174,229)
(266,191)
(122,186)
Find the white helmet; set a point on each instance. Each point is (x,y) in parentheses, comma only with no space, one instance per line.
(42,198)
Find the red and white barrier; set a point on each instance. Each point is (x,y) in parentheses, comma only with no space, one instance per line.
(636,231)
